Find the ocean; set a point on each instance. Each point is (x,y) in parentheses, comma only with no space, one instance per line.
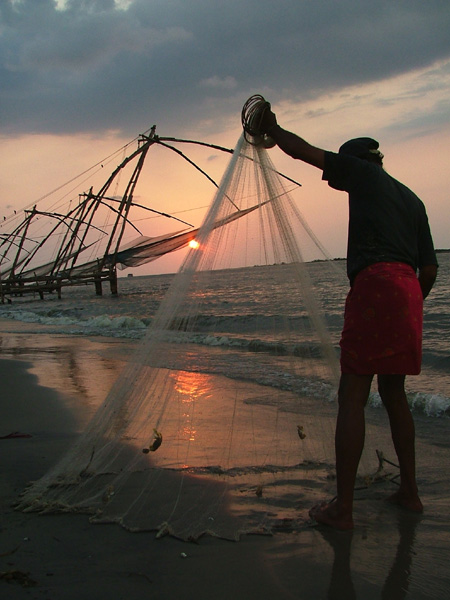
(243,304)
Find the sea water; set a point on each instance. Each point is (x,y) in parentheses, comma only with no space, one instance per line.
(243,305)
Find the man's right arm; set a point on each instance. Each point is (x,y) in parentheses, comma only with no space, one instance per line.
(298,148)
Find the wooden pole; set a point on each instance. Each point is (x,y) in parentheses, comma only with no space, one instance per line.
(113,280)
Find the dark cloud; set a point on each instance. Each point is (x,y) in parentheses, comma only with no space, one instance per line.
(97,65)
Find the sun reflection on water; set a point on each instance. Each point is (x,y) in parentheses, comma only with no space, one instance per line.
(191,387)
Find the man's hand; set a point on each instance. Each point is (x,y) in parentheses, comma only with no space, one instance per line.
(268,120)
(288,142)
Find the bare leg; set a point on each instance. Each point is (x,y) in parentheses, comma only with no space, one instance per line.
(349,442)
(392,392)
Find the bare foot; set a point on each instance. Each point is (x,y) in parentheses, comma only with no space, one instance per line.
(328,514)
(412,503)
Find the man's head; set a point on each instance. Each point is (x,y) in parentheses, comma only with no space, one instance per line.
(365,148)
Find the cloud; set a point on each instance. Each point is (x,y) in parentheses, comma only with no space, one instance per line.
(97,65)
(226,83)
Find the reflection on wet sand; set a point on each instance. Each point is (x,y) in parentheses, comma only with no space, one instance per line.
(397,581)
(83,372)
(386,558)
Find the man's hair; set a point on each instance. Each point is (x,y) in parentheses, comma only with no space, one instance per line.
(365,148)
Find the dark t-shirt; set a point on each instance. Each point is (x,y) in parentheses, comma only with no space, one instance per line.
(387,221)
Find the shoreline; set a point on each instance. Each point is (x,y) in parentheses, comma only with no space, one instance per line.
(65,556)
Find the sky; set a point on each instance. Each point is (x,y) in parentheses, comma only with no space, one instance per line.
(81,78)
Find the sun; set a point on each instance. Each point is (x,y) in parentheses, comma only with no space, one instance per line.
(194,244)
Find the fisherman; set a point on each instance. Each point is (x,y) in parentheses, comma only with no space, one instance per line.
(389,242)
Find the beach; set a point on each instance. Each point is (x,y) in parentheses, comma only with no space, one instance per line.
(390,554)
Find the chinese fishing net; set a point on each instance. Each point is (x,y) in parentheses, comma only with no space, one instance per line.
(206,433)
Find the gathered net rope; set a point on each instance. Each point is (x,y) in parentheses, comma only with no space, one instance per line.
(207,433)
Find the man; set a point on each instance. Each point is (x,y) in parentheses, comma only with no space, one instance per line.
(389,240)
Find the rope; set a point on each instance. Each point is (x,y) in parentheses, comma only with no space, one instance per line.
(251,118)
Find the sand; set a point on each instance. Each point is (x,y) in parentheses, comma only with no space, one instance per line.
(391,553)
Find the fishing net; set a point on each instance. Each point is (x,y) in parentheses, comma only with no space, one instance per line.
(207,433)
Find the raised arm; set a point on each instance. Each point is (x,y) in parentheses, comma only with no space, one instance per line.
(297,147)
(290,143)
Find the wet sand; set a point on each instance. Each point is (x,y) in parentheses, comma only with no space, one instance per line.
(391,553)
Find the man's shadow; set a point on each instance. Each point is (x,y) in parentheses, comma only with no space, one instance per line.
(396,585)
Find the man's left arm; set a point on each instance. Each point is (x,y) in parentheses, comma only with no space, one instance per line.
(427,277)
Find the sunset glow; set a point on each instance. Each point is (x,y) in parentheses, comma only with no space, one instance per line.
(68,106)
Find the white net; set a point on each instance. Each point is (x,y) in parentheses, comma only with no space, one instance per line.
(206,433)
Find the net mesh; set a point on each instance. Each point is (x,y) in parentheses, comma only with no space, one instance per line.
(207,434)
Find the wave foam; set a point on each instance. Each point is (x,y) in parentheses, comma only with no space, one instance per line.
(431,405)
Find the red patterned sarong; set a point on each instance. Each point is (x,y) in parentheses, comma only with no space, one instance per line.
(382,331)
